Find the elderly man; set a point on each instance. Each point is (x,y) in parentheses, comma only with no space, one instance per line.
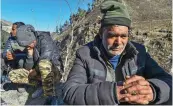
(113,70)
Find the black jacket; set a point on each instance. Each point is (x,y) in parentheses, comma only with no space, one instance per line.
(45,49)
(87,85)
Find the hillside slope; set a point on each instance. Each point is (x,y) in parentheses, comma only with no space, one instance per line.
(151,26)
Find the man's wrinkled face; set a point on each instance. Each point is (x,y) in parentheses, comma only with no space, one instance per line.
(14,30)
(114,39)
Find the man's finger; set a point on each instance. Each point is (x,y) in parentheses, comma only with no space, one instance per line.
(149,97)
(132,98)
(136,88)
(120,94)
(135,98)
(137,83)
(127,77)
(145,92)
(143,82)
(145,99)
(142,101)
(133,79)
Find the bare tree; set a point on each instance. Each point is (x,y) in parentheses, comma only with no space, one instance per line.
(69,47)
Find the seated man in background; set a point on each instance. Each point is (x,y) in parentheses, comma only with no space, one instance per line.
(13,54)
(43,59)
(112,70)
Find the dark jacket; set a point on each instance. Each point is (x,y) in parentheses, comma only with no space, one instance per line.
(87,85)
(12,45)
(19,55)
(45,49)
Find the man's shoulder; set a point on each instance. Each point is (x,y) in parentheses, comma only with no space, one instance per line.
(44,37)
(138,46)
(86,49)
(10,38)
(43,33)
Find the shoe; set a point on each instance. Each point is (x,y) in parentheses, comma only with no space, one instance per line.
(3,102)
(21,90)
(51,100)
(1,88)
(8,86)
(38,93)
(54,101)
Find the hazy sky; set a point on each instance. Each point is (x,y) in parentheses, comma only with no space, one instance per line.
(42,14)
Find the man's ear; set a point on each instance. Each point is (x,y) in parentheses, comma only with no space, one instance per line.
(34,42)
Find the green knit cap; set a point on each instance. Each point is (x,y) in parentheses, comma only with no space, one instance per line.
(115,13)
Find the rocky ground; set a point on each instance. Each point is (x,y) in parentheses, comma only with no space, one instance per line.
(22,96)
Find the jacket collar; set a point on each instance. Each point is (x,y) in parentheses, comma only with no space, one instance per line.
(130,50)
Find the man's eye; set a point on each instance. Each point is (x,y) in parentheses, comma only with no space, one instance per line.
(124,36)
(110,36)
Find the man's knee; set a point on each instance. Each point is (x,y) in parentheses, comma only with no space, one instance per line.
(20,63)
(45,68)
(19,76)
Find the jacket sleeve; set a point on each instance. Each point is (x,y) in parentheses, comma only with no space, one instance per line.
(29,63)
(77,90)
(48,50)
(7,47)
(46,46)
(160,80)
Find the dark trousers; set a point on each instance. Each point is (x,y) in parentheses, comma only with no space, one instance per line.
(18,62)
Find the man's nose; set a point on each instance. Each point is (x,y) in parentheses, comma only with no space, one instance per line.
(117,40)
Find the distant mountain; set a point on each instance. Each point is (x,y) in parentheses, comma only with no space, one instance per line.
(5,31)
(6,25)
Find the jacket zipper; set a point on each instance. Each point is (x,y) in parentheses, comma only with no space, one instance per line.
(119,64)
